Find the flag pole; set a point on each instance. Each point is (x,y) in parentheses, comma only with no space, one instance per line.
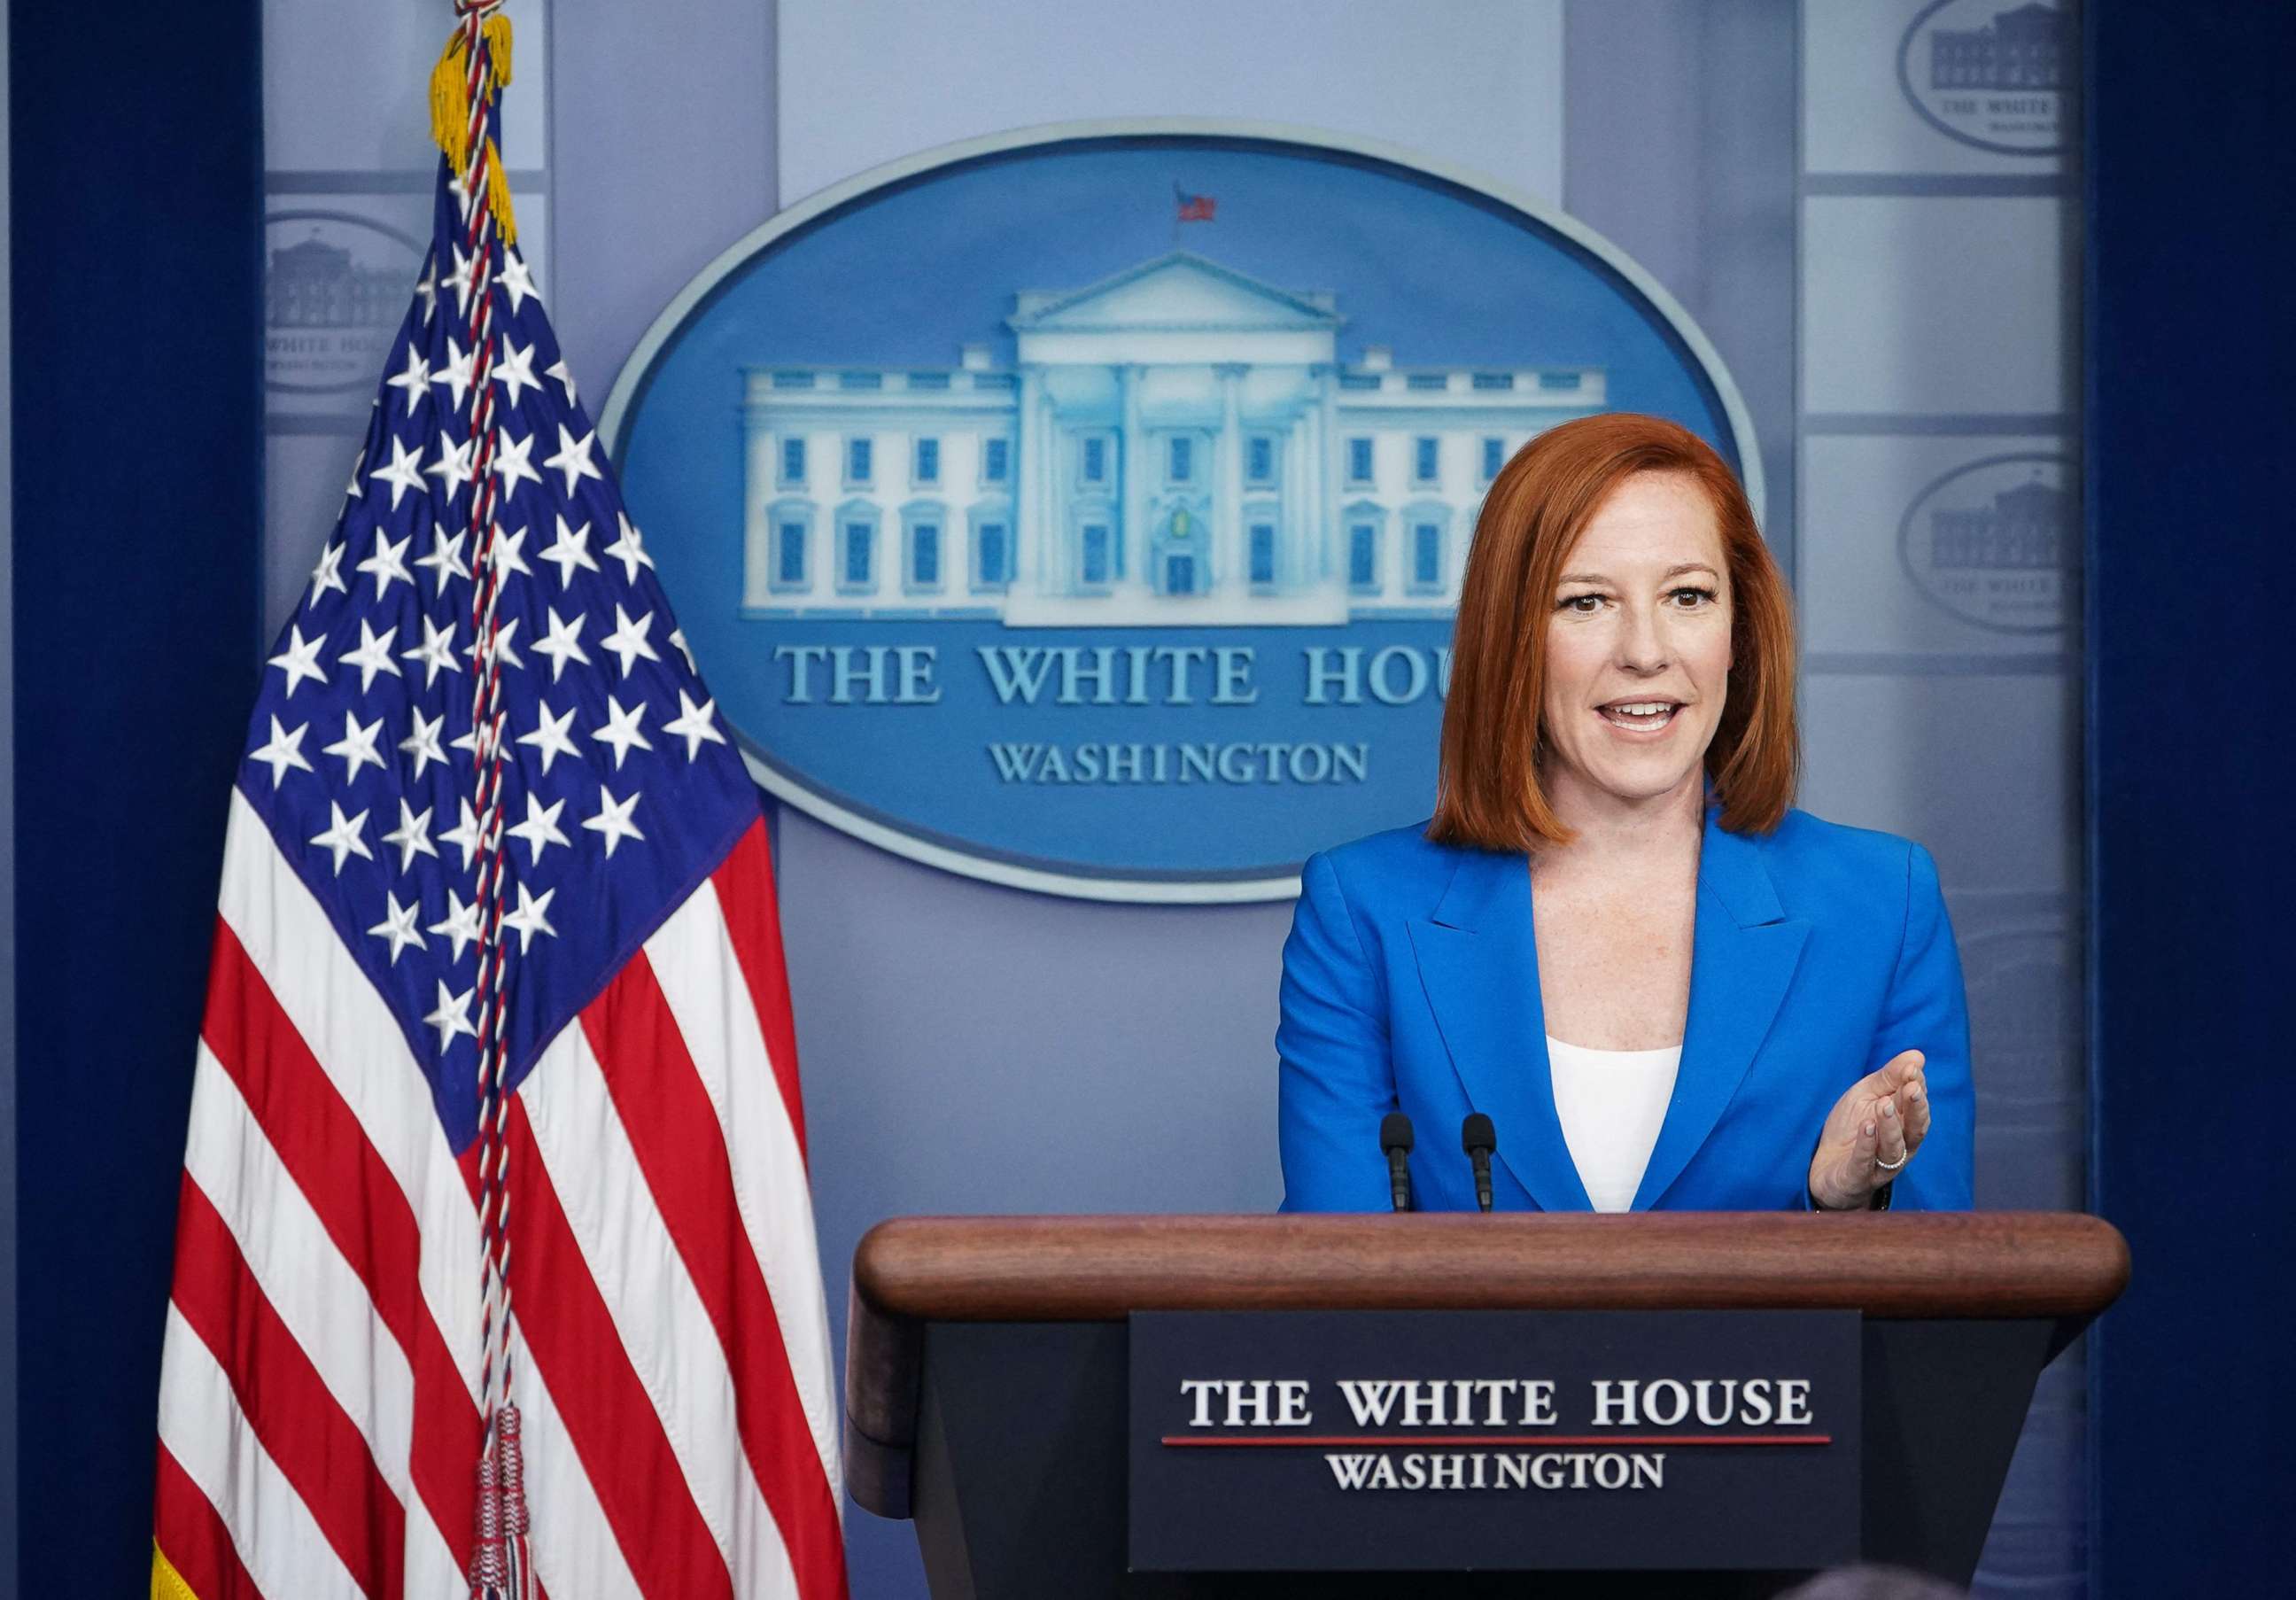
(470,74)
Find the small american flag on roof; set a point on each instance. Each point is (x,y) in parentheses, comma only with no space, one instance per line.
(1193,207)
(497,1003)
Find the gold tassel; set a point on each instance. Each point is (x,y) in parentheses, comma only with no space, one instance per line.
(450,116)
(498,194)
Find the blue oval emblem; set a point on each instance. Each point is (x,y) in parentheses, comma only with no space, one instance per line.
(1996,542)
(1998,75)
(1084,510)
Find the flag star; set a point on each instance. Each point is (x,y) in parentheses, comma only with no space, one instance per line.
(456,373)
(412,836)
(540,829)
(694,724)
(464,836)
(343,837)
(573,550)
(356,746)
(514,368)
(426,286)
(355,489)
(677,637)
(614,820)
(621,730)
(422,743)
(509,555)
(550,736)
(453,1015)
(628,639)
(511,463)
(517,282)
(329,573)
(284,750)
(301,659)
(531,917)
(403,473)
(573,457)
(502,650)
(415,381)
(436,652)
(398,924)
(453,467)
(445,557)
(563,642)
(629,549)
(558,370)
(373,655)
(466,267)
(389,562)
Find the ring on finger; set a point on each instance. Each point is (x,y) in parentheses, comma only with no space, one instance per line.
(1892,1166)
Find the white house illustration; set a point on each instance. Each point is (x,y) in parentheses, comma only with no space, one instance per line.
(1177,444)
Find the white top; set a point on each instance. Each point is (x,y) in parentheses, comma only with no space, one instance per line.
(1610,1104)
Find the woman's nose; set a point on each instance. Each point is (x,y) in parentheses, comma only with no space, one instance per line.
(1642,642)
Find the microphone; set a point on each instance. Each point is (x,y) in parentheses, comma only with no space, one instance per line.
(1395,1139)
(1482,1141)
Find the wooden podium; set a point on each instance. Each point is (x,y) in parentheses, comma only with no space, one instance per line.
(986,1360)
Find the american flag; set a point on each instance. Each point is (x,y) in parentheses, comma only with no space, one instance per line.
(325,1379)
(1193,207)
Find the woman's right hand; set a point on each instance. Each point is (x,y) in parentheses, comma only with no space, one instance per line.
(1873,1130)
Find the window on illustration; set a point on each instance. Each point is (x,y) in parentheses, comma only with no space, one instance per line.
(1095,553)
(990,542)
(857,554)
(857,460)
(1359,460)
(790,557)
(793,461)
(927,460)
(1183,459)
(994,460)
(1263,553)
(1363,555)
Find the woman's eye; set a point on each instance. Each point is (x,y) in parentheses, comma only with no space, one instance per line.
(1584,606)
(1690,599)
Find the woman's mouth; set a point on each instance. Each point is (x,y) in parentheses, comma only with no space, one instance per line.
(1639,716)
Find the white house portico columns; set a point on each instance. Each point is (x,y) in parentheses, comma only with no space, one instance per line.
(1227,519)
(1134,555)
(1030,532)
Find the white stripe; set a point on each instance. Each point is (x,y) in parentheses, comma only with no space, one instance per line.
(664,1323)
(278,1540)
(700,976)
(351,1030)
(318,1295)
(575,1553)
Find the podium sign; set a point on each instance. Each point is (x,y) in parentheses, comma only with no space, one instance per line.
(1516,1441)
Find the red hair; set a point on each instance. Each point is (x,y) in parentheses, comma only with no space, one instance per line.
(1489,793)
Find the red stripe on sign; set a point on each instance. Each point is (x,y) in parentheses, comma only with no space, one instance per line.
(317,1446)
(193,1537)
(359,1203)
(681,1151)
(744,883)
(570,1335)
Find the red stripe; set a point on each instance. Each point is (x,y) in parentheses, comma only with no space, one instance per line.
(681,1151)
(744,883)
(193,1537)
(360,1204)
(315,1443)
(616,1433)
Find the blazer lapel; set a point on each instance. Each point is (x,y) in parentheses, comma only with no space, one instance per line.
(1743,959)
(1479,960)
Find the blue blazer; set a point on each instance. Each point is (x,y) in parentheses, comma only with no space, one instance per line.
(1411,982)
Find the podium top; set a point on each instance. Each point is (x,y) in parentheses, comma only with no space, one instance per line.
(2048,1267)
(1949,1264)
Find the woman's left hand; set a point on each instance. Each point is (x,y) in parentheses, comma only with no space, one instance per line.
(1870,1133)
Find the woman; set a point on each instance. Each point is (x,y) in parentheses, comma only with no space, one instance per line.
(1616,938)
